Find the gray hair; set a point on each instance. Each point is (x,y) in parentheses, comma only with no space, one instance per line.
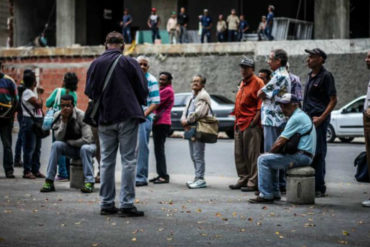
(143,58)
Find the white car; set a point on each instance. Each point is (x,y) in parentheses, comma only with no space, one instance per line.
(346,123)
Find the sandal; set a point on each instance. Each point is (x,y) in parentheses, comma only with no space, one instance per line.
(153,179)
(161,180)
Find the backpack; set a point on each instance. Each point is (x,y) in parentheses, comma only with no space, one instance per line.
(20,89)
(362,172)
(6,105)
(296,86)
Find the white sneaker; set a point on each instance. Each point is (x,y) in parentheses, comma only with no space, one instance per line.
(200,183)
(366,203)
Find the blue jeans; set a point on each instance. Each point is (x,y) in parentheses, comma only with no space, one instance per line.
(143,151)
(207,33)
(232,35)
(6,126)
(221,36)
(155,34)
(31,146)
(62,149)
(197,149)
(124,135)
(18,144)
(183,35)
(268,31)
(268,166)
(62,165)
(319,161)
(126,32)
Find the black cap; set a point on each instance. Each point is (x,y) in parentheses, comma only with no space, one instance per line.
(317,51)
(247,62)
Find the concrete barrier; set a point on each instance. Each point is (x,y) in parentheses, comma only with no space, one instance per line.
(76,174)
(301,185)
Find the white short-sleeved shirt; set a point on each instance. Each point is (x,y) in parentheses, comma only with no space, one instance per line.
(28,94)
(367,100)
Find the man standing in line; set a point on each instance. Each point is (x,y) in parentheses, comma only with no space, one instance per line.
(221,28)
(126,26)
(8,104)
(243,28)
(206,22)
(265,75)
(120,113)
(248,132)
(269,22)
(145,128)
(182,20)
(320,98)
(233,26)
(153,24)
(272,118)
(367,125)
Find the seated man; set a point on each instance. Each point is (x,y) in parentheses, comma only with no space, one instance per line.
(74,139)
(269,163)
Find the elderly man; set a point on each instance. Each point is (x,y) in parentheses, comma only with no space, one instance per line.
(269,163)
(119,115)
(74,139)
(248,132)
(320,98)
(145,128)
(367,124)
(272,117)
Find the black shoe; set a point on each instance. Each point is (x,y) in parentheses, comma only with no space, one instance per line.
(257,193)
(283,190)
(140,184)
(18,164)
(235,186)
(248,189)
(161,180)
(108,211)
(130,212)
(320,194)
(9,175)
(153,179)
(261,200)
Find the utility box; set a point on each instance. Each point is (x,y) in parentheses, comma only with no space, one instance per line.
(301,185)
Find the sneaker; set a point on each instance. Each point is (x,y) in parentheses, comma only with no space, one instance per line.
(48,186)
(140,184)
(320,194)
(88,188)
(200,183)
(108,211)
(366,203)
(29,175)
(130,212)
(236,186)
(9,174)
(39,175)
(61,179)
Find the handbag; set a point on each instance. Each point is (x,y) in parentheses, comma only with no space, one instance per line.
(91,114)
(362,172)
(291,146)
(37,126)
(49,117)
(207,128)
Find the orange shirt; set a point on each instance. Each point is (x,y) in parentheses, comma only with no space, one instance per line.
(247,103)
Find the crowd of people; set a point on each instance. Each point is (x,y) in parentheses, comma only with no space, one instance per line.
(270,111)
(233,29)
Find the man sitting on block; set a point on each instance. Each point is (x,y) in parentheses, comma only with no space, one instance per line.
(74,139)
(269,163)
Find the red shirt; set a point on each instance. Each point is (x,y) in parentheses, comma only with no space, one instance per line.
(247,104)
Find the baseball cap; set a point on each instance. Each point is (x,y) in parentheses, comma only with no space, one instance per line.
(287,98)
(317,51)
(154,9)
(247,62)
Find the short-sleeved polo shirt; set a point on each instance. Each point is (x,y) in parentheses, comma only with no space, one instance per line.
(206,21)
(318,90)
(154,96)
(300,123)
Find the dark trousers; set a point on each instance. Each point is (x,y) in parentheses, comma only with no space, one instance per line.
(268,31)
(155,34)
(232,35)
(160,133)
(19,143)
(205,33)
(367,138)
(126,32)
(183,35)
(319,160)
(6,126)
(221,36)
(31,146)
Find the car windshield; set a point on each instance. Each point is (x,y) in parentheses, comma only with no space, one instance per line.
(221,99)
(356,107)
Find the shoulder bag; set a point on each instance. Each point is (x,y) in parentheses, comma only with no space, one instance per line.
(291,147)
(91,114)
(49,117)
(37,126)
(207,128)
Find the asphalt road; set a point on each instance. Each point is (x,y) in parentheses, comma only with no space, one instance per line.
(177,216)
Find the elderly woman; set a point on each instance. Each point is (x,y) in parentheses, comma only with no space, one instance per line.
(197,108)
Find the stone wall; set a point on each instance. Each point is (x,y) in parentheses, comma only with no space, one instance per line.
(218,62)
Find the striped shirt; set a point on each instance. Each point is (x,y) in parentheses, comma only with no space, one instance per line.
(8,93)
(153,97)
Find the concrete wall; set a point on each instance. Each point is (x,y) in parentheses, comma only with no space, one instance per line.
(66,22)
(218,62)
(4,14)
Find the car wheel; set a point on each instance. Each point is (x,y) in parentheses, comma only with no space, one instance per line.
(230,133)
(330,134)
(346,139)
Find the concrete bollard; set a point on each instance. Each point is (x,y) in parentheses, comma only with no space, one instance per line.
(301,185)
(76,174)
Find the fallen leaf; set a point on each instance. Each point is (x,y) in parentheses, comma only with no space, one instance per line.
(259,223)
(160,229)
(204,234)
(114,223)
(234,214)
(94,244)
(250,219)
(218,214)
(272,214)
(345,233)
(169,239)
(281,236)
(133,239)
(225,219)
(264,208)
(78,223)
(242,230)
(62,225)
(343,242)
(35,210)
(199,210)
(137,201)
(218,236)
(360,222)
(277,233)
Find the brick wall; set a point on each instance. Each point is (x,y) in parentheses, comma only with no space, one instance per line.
(50,73)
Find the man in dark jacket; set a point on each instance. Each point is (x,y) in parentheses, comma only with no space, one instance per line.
(120,113)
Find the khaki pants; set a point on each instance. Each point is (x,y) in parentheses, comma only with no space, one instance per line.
(367,138)
(247,150)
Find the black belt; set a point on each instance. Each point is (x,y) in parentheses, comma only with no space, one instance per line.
(305,153)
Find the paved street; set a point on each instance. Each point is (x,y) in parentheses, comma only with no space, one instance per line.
(177,216)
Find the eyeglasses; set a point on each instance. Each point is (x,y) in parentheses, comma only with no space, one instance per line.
(143,64)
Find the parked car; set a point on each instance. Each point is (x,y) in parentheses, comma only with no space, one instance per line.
(346,123)
(222,107)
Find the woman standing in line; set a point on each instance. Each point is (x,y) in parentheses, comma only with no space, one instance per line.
(162,126)
(197,108)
